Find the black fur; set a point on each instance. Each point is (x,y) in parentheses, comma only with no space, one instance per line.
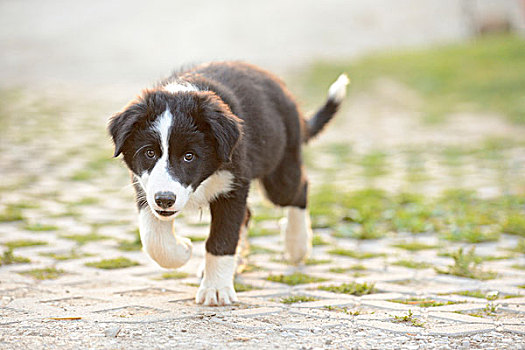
(243,120)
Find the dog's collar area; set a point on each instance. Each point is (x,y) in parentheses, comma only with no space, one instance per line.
(166,212)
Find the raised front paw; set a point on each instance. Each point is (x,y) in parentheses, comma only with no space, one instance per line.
(215,295)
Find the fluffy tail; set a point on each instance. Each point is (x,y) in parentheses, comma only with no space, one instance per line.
(336,95)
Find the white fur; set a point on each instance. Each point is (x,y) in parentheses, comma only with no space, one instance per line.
(159,180)
(220,182)
(160,242)
(217,284)
(180,87)
(337,90)
(297,235)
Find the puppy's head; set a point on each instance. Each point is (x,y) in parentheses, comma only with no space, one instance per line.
(172,142)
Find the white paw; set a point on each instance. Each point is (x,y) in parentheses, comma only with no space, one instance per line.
(297,236)
(216,296)
(217,284)
(297,251)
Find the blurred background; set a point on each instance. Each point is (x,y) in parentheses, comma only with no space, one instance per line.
(429,144)
(135,42)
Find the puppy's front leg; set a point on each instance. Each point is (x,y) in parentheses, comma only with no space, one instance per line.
(227,216)
(160,242)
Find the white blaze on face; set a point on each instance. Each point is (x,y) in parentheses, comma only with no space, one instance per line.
(180,87)
(159,180)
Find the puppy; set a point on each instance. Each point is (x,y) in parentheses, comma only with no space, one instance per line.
(197,139)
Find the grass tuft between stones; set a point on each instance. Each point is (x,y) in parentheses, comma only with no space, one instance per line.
(292,299)
(47,273)
(21,243)
(467,265)
(110,264)
(295,279)
(8,258)
(352,288)
(174,275)
(354,254)
(83,239)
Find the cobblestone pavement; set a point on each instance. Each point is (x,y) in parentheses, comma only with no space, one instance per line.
(65,206)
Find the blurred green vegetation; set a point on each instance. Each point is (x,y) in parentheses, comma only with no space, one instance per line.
(456,215)
(485,74)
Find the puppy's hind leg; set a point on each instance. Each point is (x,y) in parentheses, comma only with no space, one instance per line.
(297,235)
(288,188)
(160,242)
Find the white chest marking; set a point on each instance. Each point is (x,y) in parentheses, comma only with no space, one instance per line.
(220,182)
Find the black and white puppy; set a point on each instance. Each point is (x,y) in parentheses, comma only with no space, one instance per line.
(197,139)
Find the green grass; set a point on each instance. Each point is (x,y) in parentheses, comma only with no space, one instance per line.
(313,261)
(40,227)
(368,230)
(82,175)
(294,279)
(21,243)
(409,318)
(352,288)
(353,268)
(318,240)
(10,214)
(520,247)
(478,294)
(297,299)
(8,258)
(467,265)
(341,151)
(422,302)
(242,287)
(487,72)
(131,245)
(48,273)
(110,264)
(257,231)
(414,246)
(196,238)
(514,224)
(257,249)
(86,201)
(73,254)
(411,264)
(354,254)
(374,164)
(173,275)
(343,309)
(251,268)
(83,239)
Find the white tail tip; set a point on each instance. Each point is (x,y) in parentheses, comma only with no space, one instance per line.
(337,90)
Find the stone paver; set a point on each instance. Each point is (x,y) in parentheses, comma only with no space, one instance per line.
(75,198)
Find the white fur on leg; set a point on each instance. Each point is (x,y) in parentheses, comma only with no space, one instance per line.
(298,235)
(160,242)
(217,285)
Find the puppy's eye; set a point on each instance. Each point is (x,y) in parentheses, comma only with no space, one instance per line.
(188,157)
(150,153)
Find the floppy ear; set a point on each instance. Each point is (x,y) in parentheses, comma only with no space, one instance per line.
(225,126)
(121,124)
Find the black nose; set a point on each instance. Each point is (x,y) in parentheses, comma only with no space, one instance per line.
(165,199)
